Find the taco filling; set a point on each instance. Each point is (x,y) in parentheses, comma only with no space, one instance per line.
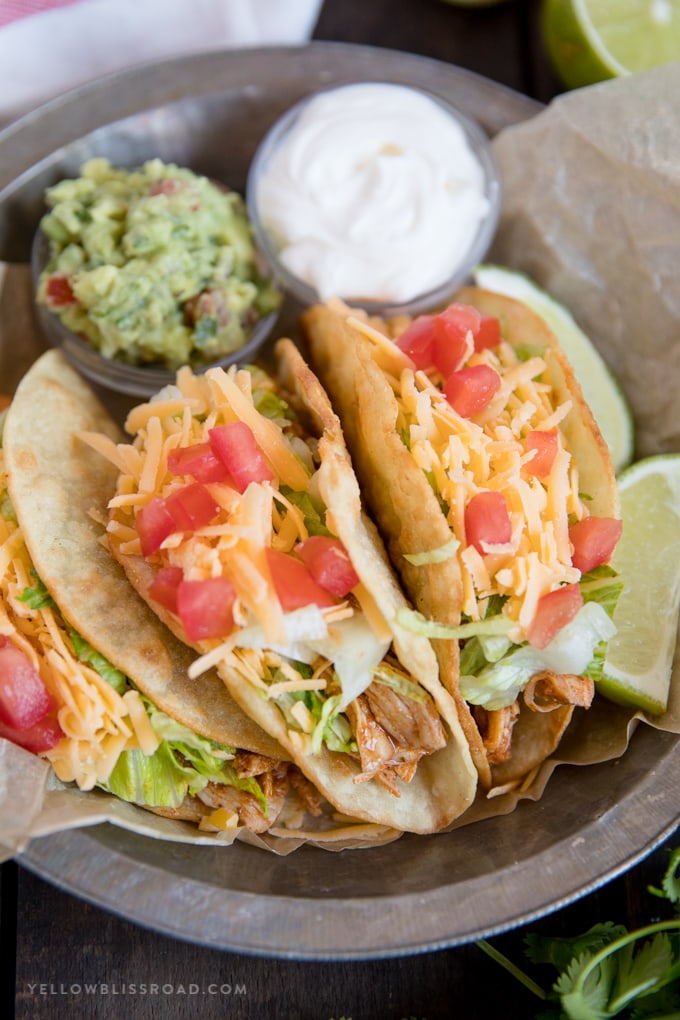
(504,517)
(222,519)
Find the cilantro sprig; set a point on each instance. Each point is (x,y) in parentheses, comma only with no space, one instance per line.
(608,971)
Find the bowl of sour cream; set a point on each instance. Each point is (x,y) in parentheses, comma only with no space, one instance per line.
(380,194)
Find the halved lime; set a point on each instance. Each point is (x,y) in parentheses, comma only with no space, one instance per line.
(600,389)
(639,658)
(591,40)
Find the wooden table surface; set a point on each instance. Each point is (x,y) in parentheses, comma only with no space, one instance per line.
(53,945)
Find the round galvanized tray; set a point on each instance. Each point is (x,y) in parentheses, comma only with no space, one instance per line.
(417,893)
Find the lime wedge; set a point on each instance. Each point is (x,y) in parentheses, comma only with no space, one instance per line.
(639,658)
(591,40)
(600,389)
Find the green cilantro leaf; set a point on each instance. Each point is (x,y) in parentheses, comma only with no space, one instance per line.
(608,971)
(561,951)
(670,887)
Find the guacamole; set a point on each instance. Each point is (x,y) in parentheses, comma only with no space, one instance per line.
(154,265)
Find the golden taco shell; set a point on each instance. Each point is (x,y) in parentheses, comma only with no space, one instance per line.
(442,782)
(362,372)
(58,486)
(136,725)
(98,718)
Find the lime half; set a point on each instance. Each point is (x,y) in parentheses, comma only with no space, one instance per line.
(591,40)
(600,389)
(639,658)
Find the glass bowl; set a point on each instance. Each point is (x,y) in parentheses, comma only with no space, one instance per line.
(113,374)
(327,164)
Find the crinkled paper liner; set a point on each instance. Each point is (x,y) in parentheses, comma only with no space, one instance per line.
(34,803)
(591,211)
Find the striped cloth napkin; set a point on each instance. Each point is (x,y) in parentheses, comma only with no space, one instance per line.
(13,10)
(50,46)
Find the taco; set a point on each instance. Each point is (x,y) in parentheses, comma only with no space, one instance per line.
(238,517)
(89,677)
(493,489)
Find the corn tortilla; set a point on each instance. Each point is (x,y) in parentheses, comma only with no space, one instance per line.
(55,481)
(406,507)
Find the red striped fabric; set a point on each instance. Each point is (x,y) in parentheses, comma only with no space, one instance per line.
(13,10)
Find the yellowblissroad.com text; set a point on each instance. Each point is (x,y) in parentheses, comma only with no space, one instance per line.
(133,988)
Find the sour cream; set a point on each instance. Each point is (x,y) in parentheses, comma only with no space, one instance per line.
(374,192)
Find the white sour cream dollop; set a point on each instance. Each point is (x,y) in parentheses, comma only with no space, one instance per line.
(374,193)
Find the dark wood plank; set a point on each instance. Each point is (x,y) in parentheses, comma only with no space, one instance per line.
(499,41)
(65,946)
(8,936)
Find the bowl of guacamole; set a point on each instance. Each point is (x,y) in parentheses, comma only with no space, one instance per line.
(140,271)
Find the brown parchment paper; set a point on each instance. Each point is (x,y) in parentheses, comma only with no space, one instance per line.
(591,211)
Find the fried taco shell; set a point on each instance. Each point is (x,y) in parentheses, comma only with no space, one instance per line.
(418,461)
(352,697)
(89,629)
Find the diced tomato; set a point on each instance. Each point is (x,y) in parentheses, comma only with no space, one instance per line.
(166,186)
(206,607)
(40,737)
(59,292)
(451,328)
(24,699)
(544,443)
(154,523)
(237,448)
(164,586)
(553,612)
(329,564)
(209,304)
(418,341)
(471,389)
(441,341)
(594,540)
(294,584)
(200,461)
(192,507)
(489,333)
(487,521)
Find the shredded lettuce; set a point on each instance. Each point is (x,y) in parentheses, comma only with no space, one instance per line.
(99,663)
(472,657)
(38,596)
(207,755)
(500,683)
(525,352)
(411,619)
(331,726)
(313,516)
(271,405)
(405,436)
(184,763)
(439,555)
(156,780)
(355,651)
(602,585)
(6,508)
(400,684)
(572,651)
(494,670)
(494,646)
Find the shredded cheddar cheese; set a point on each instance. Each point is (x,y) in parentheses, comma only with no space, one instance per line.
(98,723)
(463,457)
